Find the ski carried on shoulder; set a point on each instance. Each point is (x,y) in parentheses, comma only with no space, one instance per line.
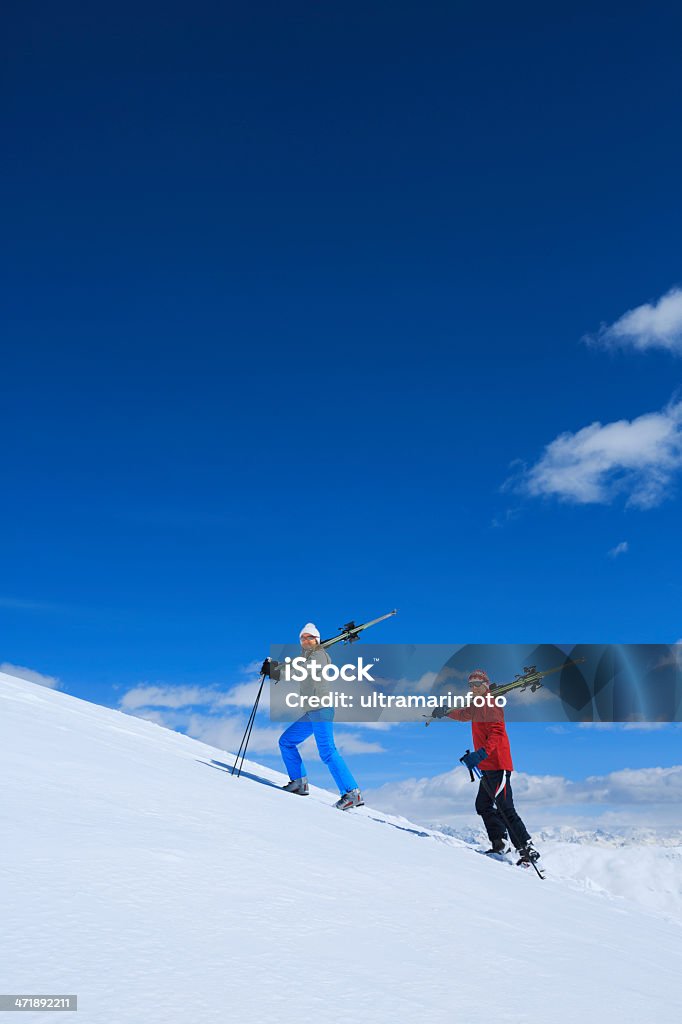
(350,632)
(529,678)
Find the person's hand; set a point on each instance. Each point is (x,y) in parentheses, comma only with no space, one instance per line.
(473,760)
(265,668)
(439,712)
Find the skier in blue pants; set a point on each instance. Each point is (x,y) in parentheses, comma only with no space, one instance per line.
(319,724)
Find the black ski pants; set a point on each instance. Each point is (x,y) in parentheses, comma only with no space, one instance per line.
(486,802)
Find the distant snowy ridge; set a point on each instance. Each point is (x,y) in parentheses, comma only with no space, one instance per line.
(565,834)
(664,837)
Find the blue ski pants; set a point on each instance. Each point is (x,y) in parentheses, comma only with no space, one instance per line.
(320,725)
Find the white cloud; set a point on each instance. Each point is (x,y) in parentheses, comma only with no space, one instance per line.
(620,549)
(645,726)
(240,695)
(30,675)
(349,743)
(634,785)
(243,695)
(652,325)
(625,796)
(627,726)
(222,731)
(175,707)
(638,458)
(226,732)
(168,697)
(377,726)
(222,718)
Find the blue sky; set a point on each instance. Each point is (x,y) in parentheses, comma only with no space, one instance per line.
(297,302)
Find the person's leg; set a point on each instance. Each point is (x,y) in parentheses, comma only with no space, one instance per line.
(288,745)
(323,728)
(518,833)
(485,805)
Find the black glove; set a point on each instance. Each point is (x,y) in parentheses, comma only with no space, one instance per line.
(265,668)
(439,712)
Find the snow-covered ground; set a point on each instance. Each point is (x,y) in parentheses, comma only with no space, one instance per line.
(639,865)
(137,873)
(642,867)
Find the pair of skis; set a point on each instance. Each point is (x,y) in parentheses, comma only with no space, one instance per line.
(350,632)
(530,678)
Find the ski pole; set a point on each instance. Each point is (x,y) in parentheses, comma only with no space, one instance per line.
(505,819)
(247,732)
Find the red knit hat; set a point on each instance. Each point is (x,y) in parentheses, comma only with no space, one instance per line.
(479,677)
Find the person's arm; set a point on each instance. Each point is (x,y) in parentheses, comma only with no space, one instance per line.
(461,714)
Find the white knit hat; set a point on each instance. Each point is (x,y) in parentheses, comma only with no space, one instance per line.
(311,628)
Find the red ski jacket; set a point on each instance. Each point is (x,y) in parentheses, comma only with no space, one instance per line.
(489,731)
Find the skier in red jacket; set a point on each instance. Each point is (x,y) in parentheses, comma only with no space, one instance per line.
(492,757)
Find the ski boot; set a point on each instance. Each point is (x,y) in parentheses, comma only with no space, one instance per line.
(498,846)
(353,798)
(297,786)
(527,854)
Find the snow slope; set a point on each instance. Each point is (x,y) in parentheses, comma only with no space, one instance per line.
(138,874)
(643,869)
